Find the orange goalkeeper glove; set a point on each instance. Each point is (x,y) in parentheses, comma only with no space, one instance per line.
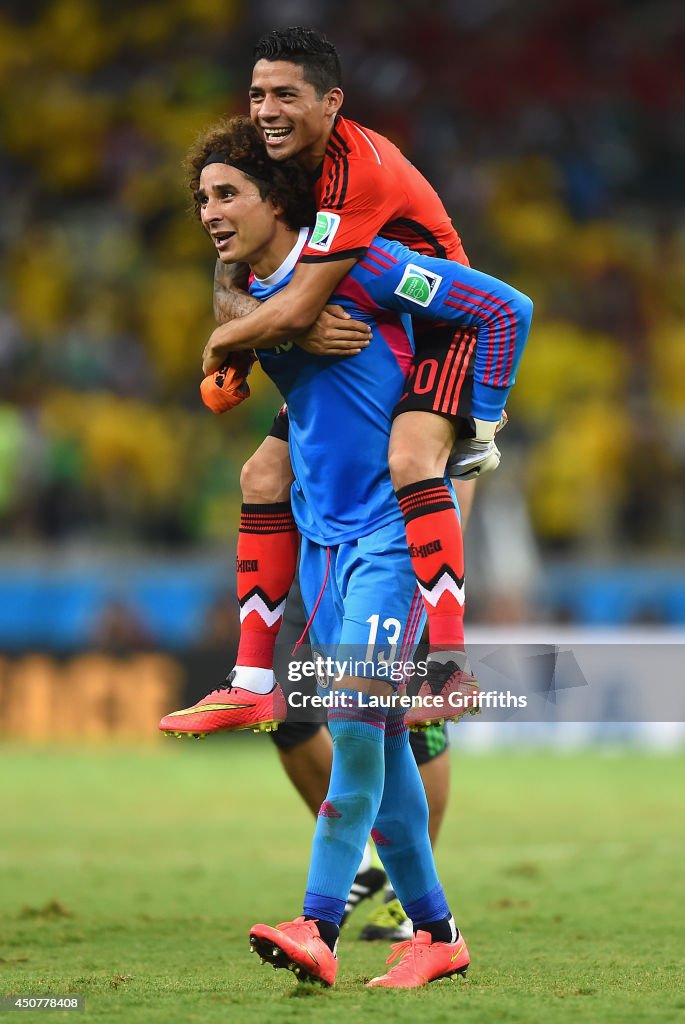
(228,386)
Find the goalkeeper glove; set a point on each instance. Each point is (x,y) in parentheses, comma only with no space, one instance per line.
(472,456)
(228,386)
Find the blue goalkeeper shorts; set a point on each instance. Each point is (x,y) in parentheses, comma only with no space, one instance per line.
(365,601)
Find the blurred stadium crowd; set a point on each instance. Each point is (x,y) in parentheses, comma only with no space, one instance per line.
(555,134)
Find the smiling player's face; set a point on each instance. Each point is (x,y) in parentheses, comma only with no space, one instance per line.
(291,119)
(241,224)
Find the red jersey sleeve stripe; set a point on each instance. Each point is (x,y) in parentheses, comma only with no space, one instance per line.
(503,335)
(371,268)
(469,306)
(503,341)
(382,255)
(383,263)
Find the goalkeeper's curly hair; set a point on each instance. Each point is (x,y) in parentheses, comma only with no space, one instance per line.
(286,184)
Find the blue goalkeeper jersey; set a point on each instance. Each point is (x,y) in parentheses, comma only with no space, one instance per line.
(340,408)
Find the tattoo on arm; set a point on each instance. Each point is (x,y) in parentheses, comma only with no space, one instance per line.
(230,295)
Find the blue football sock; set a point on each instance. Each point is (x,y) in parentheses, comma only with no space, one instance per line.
(350,807)
(401,830)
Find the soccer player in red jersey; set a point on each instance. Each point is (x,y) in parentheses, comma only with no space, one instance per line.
(364,186)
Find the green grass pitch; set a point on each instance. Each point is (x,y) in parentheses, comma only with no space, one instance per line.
(133,877)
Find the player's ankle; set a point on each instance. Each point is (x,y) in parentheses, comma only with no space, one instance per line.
(444,930)
(328,931)
(256,680)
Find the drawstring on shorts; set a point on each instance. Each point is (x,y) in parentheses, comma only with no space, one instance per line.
(316,606)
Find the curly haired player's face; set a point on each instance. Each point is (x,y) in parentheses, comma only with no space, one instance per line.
(241,224)
(291,119)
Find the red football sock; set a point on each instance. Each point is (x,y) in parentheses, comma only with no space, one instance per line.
(267,558)
(436,548)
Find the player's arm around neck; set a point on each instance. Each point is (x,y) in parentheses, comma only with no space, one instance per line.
(288,315)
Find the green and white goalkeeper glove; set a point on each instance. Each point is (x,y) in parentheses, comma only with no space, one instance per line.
(478,454)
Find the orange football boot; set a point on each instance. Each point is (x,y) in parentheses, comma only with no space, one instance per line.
(422,961)
(298,947)
(228,709)
(448,692)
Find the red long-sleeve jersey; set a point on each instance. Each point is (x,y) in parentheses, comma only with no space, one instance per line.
(367,187)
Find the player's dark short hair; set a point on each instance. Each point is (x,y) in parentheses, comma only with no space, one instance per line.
(284,183)
(308,48)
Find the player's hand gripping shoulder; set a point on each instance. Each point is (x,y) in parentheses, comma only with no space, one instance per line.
(335,333)
(472,456)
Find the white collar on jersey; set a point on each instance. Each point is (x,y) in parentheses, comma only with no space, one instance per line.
(288,263)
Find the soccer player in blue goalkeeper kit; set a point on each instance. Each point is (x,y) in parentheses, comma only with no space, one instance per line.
(357,581)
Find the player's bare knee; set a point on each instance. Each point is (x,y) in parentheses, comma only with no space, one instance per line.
(409,465)
(262,482)
(420,443)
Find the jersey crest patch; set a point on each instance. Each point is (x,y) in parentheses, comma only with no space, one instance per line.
(324,230)
(418,285)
